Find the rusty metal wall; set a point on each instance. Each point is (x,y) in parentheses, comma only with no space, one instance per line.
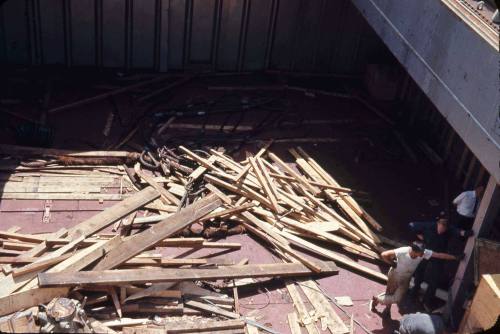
(225,35)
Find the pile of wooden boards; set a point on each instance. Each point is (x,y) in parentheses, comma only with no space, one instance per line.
(123,278)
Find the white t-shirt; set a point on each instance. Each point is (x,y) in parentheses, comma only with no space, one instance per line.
(406,265)
(466,203)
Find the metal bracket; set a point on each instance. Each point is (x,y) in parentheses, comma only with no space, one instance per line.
(46,211)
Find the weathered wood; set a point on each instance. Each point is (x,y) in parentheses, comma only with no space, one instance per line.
(167,196)
(211,309)
(172,275)
(173,224)
(302,312)
(265,183)
(112,214)
(293,323)
(299,178)
(39,265)
(21,300)
(333,256)
(202,325)
(323,307)
(15,150)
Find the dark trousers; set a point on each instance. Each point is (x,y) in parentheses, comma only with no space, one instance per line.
(462,222)
(429,271)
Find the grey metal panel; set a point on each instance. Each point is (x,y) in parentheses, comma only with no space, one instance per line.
(202,28)
(143,33)
(229,38)
(52,32)
(176,33)
(15,32)
(282,49)
(259,16)
(113,33)
(83,32)
(451,63)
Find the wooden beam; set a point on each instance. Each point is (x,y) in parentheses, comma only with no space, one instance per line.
(164,193)
(137,243)
(332,256)
(25,299)
(299,178)
(132,276)
(112,214)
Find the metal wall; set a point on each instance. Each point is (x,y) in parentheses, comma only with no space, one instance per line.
(225,35)
(451,63)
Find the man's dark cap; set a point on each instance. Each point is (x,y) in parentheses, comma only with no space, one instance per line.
(417,247)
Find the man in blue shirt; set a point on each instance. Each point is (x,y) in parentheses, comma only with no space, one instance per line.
(435,235)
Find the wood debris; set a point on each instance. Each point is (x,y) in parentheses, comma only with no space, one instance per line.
(123,280)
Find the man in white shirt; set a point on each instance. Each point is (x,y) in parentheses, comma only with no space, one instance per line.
(403,261)
(466,206)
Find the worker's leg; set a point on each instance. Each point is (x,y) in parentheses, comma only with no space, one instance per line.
(434,271)
(395,297)
(419,276)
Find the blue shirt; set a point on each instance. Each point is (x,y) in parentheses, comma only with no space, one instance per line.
(434,241)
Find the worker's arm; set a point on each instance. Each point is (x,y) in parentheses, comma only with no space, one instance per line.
(459,199)
(446,256)
(389,256)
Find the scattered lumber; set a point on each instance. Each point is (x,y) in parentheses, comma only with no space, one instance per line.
(297,210)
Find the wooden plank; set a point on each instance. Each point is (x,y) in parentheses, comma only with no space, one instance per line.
(330,180)
(39,265)
(112,214)
(22,237)
(323,307)
(258,155)
(211,309)
(167,196)
(301,309)
(333,256)
(201,169)
(99,327)
(25,299)
(202,325)
(116,301)
(293,323)
(302,180)
(173,224)
(42,247)
(131,276)
(265,184)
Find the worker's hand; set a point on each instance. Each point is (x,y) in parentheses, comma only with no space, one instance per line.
(467,233)
(460,257)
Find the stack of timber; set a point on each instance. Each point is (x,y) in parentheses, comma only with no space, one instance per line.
(123,281)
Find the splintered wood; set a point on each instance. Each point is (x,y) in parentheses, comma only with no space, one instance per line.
(122,277)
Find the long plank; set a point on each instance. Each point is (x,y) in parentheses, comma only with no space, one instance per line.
(133,276)
(112,214)
(135,244)
(22,300)
(304,244)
